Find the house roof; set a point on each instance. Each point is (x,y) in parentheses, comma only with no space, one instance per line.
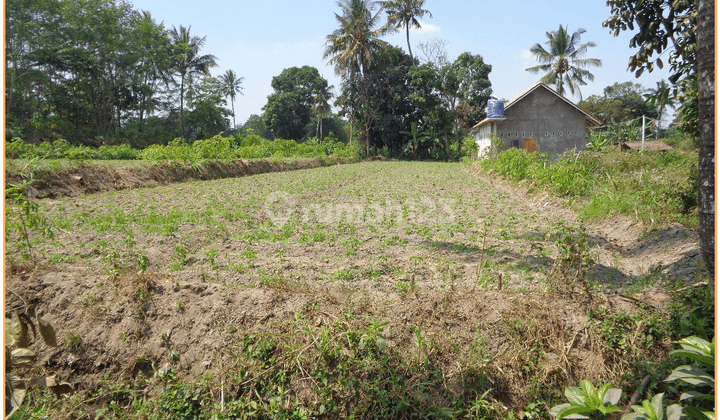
(591,120)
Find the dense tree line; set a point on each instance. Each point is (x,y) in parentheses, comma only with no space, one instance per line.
(94,70)
(99,71)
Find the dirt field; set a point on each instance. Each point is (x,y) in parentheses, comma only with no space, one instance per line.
(432,247)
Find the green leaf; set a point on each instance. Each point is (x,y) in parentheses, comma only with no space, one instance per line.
(657,405)
(692,375)
(697,395)
(698,349)
(673,412)
(573,411)
(698,414)
(574,395)
(556,409)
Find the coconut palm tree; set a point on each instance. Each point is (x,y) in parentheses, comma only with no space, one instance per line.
(321,107)
(352,46)
(405,13)
(660,98)
(706,115)
(231,86)
(564,62)
(188,61)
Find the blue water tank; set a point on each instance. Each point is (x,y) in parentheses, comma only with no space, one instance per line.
(495,108)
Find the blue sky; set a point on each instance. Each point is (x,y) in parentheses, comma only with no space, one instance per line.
(258,39)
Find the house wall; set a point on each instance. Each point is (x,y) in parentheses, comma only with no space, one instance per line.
(482,138)
(555,124)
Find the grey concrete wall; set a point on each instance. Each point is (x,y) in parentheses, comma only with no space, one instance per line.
(555,124)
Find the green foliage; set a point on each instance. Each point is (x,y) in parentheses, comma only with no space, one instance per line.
(249,147)
(586,400)
(289,108)
(564,62)
(62,149)
(662,25)
(573,259)
(698,377)
(658,188)
(654,409)
(620,102)
(23,218)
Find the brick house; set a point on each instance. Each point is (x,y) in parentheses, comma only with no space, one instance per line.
(539,120)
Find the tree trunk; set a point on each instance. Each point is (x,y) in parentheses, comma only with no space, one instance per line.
(232,103)
(705,51)
(182,97)
(447,146)
(407,33)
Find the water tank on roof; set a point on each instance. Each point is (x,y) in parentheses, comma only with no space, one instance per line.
(495,108)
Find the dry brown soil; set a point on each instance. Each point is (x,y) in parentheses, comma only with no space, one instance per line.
(449,249)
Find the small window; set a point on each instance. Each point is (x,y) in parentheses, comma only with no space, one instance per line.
(546,134)
(576,133)
(523,134)
(568,134)
(531,134)
(553,134)
(561,134)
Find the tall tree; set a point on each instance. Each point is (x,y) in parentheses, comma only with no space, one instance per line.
(321,107)
(564,61)
(390,91)
(706,115)
(289,109)
(350,48)
(686,27)
(154,66)
(620,102)
(232,85)
(405,13)
(659,98)
(453,96)
(188,62)
(207,115)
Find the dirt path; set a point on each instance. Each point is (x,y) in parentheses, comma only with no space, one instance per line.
(195,267)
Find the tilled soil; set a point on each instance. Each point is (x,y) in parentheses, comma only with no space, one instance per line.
(197,266)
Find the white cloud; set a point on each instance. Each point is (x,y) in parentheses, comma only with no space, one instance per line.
(426,28)
(526,55)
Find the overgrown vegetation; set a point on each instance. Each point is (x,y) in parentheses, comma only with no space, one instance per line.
(218,147)
(655,188)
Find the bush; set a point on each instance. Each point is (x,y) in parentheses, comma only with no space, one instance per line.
(655,187)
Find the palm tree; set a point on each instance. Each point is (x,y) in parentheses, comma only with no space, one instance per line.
(705,69)
(188,61)
(354,44)
(321,107)
(405,13)
(660,99)
(564,62)
(231,85)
